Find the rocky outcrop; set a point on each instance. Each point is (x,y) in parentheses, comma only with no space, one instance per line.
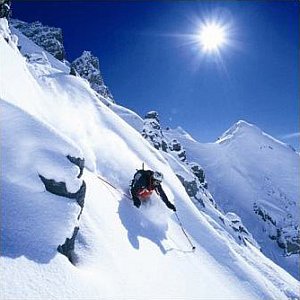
(195,183)
(286,233)
(198,171)
(5,8)
(60,189)
(239,230)
(176,147)
(152,131)
(68,248)
(49,38)
(79,162)
(205,202)
(193,189)
(87,66)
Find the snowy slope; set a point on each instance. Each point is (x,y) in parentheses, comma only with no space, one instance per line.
(257,177)
(120,251)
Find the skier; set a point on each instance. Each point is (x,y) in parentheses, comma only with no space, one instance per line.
(144,183)
(5,8)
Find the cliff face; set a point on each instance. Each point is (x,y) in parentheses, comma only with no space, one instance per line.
(49,38)
(88,67)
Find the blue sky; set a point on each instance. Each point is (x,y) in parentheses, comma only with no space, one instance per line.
(148,62)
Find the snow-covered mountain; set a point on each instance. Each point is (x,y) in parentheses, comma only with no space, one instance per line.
(66,233)
(257,177)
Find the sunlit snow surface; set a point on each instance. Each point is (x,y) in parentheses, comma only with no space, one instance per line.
(247,167)
(121,252)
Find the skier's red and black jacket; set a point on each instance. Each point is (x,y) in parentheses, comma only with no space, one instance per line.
(143,185)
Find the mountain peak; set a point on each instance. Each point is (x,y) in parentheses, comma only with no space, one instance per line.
(49,38)
(88,67)
(237,129)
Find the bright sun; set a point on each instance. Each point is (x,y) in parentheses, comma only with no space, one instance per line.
(212,37)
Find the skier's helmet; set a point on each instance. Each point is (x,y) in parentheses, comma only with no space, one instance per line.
(157,177)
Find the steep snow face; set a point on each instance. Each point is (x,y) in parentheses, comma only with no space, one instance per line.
(128,116)
(88,67)
(120,251)
(32,51)
(49,38)
(33,222)
(257,177)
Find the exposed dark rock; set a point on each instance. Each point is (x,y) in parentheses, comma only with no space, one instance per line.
(73,72)
(88,67)
(192,189)
(241,233)
(222,220)
(199,173)
(60,189)
(78,162)
(190,186)
(80,195)
(154,124)
(152,115)
(264,215)
(176,147)
(152,131)
(292,248)
(49,38)
(242,229)
(57,188)
(68,247)
(287,237)
(5,9)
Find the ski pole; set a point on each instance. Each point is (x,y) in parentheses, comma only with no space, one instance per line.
(99,177)
(193,247)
